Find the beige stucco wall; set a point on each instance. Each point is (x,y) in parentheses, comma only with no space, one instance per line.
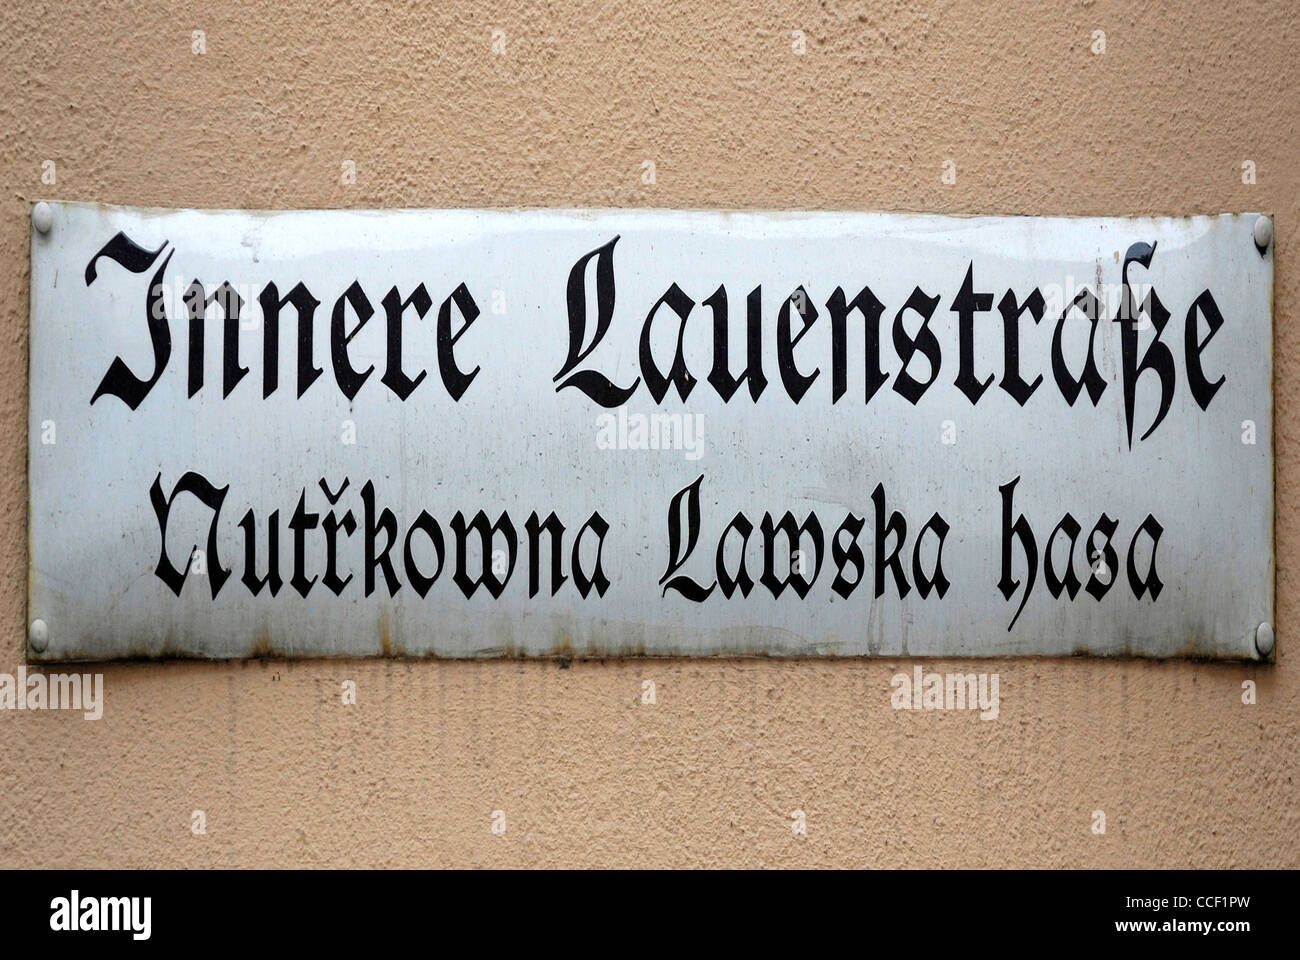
(1035,122)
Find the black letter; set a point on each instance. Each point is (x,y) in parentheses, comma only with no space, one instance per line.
(796,384)
(720,376)
(487,535)
(1152,582)
(911,388)
(658,384)
(271,304)
(250,578)
(740,523)
(1104,559)
(1202,390)
(388,524)
(455,381)
(211,497)
(967,304)
(119,381)
(349,380)
(593,384)
(684,585)
(1070,582)
(231,303)
(1012,382)
(419,581)
(555,532)
(597,579)
(938,583)
(1025,532)
(898,526)
(794,537)
(1091,376)
(871,309)
(394,306)
(1157,356)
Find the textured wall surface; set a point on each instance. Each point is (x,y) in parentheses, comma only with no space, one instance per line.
(1035,122)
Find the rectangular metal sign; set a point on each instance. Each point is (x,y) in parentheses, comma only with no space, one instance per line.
(493,433)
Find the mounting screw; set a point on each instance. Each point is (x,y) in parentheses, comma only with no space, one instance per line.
(1264,640)
(39,635)
(1263,233)
(43,218)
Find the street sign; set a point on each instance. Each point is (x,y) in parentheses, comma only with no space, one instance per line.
(472,433)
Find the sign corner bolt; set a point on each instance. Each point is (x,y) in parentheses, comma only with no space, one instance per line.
(1263,233)
(42,217)
(1263,640)
(38,634)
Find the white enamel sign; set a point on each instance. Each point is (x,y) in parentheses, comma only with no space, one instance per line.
(496,433)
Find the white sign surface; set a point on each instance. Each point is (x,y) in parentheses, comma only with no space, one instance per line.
(471,433)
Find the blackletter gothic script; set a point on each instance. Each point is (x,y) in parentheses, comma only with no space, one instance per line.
(497,433)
